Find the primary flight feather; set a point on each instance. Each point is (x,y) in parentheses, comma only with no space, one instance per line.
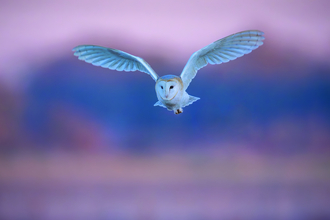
(170,89)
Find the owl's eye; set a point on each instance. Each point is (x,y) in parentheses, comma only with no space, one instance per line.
(161,87)
(171,87)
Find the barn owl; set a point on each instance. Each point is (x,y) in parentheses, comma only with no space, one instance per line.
(171,89)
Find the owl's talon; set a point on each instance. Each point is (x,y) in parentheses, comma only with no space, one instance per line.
(178,111)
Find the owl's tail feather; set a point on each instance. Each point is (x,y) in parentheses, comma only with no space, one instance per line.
(191,100)
(159,103)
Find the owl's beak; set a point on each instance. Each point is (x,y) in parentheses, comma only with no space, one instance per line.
(166,98)
(166,95)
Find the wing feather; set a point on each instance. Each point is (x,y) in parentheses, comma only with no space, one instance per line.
(221,51)
(113,59)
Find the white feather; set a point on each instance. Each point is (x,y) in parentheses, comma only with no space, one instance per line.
(221,51)
(113,59)
(159,103)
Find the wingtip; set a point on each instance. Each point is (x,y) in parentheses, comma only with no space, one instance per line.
(260,43)
(261,35)
(76,48)
(258,32)
(261,32)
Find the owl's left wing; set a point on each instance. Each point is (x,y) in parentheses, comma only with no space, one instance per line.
(113,59)
(221,51)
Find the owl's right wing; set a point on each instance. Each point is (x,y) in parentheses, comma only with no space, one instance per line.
(221,51)
(113,59)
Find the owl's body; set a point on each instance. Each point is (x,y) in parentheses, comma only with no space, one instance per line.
(171,95)
(171,89)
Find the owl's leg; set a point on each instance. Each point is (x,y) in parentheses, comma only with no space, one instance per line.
(178,111)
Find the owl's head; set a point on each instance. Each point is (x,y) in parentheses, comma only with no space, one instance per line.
(167,87)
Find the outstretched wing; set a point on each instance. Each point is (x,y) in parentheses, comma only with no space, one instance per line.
(113,59)
(221,51)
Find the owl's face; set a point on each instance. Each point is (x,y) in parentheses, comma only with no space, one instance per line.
(167,89)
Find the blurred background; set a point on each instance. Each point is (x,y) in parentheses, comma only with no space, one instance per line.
(83,142)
